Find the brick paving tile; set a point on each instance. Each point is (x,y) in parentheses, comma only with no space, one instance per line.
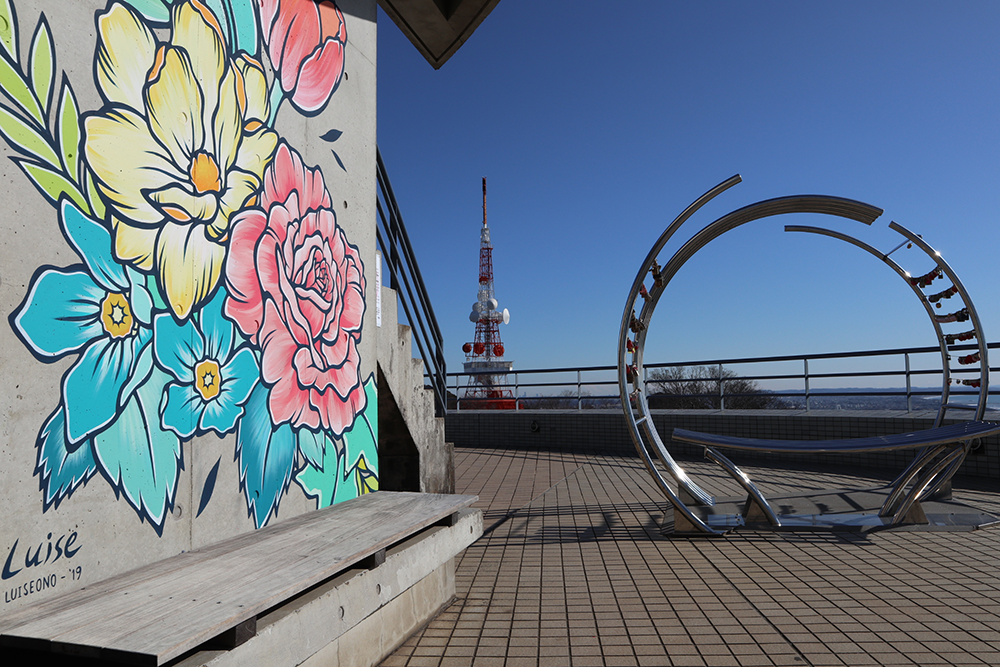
(573,558)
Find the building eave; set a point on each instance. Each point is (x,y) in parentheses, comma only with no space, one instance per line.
(438,28)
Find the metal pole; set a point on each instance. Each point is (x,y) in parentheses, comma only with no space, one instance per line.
(805,363)
(517,394)
(722,397)
(909,398)
(579,398)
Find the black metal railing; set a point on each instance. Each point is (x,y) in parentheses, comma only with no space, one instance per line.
(405,279)
(596,387)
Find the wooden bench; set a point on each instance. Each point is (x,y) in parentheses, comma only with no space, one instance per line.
(213,595)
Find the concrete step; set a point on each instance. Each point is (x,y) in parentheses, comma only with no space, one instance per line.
(412,450)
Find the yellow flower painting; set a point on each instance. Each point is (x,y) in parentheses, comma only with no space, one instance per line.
(179,147)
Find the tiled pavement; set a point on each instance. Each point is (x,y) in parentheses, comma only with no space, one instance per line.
(573,571)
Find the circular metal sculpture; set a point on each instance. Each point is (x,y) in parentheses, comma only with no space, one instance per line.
(943,449)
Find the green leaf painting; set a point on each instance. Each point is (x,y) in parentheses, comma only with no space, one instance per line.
(18,90)
(350,469)
(68,125)
(41,63)
(52,184)
(25,137)
(8,29)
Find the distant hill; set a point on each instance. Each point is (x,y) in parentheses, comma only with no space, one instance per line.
(869,398)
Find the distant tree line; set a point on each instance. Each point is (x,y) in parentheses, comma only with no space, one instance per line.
(698,388)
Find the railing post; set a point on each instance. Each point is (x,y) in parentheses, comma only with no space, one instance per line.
(517,394)
(579,398)
(722,397)
(909,398)
(805,363)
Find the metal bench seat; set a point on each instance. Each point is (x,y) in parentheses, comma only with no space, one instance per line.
(942,435)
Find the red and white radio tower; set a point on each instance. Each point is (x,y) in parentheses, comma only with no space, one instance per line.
(487,389)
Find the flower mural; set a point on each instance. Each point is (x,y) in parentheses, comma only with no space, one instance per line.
(179,147)
(216,293)
(296,287)
(306,41)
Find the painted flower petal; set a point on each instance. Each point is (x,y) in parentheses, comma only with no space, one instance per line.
(228,122)
(256,151)
(239,377)
(319,77)
(295,32)
(126,50)
(127,160)
(92,242)
(217,330)
(240,187)
(244,304)
(258,107)
(91,389)
(198,32)
(174,103)
(139,297)
(134,244)
(188,266)
(338,414)
(61,313)
(182,206)
(178,347)
(181,409)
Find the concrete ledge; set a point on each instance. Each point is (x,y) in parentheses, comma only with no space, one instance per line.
(359,617)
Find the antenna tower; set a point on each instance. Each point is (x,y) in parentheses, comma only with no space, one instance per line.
(487,389)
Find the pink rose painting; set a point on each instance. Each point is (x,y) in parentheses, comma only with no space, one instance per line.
(305,40)
(296,289)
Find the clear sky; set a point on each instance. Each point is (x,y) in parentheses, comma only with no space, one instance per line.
(596,123)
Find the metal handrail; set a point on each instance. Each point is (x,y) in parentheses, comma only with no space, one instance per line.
(519,383)
(404,272)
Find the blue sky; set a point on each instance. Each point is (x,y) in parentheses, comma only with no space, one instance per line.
(596,124)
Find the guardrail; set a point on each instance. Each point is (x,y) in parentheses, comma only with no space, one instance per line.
(405,279)
(533,388)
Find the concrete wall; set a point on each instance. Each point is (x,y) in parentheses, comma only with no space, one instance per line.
(605,431)
(186,277)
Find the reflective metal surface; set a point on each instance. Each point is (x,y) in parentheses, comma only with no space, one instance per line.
(937,461)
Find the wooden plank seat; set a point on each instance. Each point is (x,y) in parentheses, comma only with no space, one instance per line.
(160,611)
(928,438)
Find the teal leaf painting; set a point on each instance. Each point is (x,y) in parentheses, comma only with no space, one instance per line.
(139,459)
(266,455)
(155,11)
(239,21)
(321,481)
(354,458)
(61,467)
